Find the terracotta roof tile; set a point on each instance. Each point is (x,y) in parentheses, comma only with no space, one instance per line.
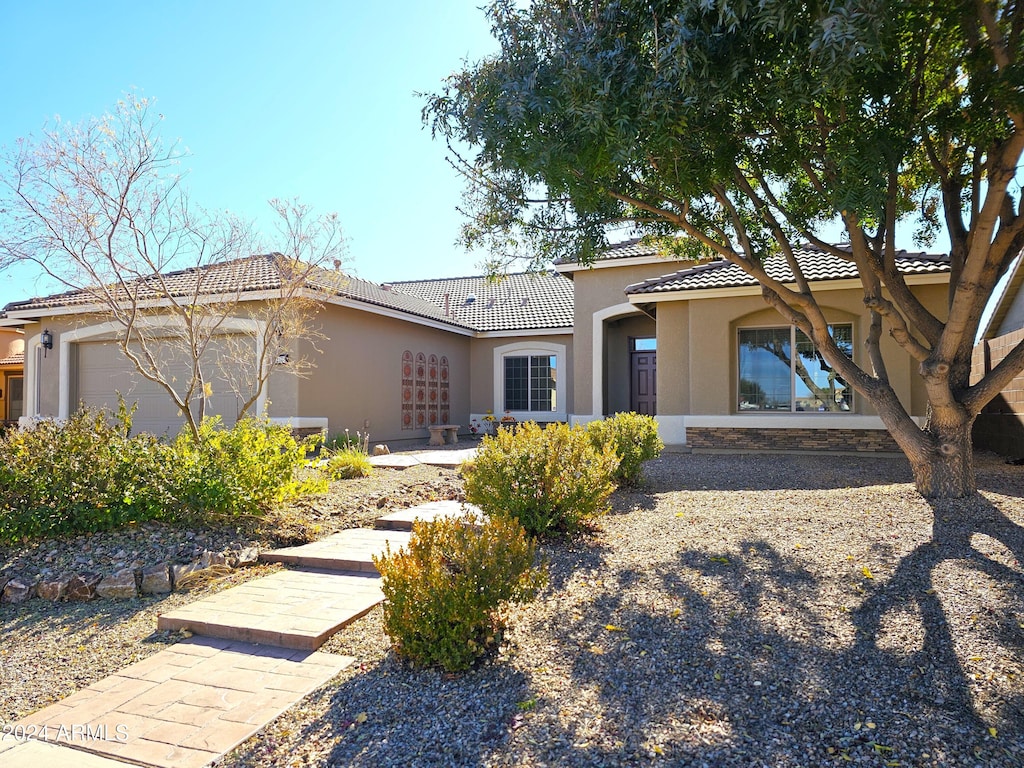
(817,265)
(18,359)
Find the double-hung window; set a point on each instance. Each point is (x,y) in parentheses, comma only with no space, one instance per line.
(780,369)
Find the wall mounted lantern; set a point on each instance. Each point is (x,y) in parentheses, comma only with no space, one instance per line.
(46,339)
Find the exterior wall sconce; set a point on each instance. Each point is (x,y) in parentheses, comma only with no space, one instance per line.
(46,339)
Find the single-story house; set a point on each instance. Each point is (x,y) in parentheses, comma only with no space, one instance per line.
(697,348)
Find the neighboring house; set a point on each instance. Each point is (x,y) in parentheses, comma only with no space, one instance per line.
(1000,426)
(697,348)
(12,366)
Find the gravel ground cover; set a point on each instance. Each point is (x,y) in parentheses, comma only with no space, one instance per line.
(736,611)
(758,610)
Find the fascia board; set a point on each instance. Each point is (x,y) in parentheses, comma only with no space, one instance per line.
(524,332)
(630,261)
(755,290)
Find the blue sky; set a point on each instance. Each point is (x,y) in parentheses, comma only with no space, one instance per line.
(273,99)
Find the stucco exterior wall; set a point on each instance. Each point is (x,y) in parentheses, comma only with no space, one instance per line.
(358,380)
(710,327)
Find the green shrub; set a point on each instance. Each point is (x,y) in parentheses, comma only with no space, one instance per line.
(82,474)
(348,463)
(237,471)
(444,593)
(550,479)
(634,437)
(88,474)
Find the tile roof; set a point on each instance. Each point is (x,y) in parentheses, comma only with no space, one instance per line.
(15,359)
(518,302)
(817,265)
(522,301)
(627,249)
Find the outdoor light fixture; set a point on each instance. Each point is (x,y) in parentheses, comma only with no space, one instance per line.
(46,339)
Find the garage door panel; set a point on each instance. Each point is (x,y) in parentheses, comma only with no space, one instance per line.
(103,371)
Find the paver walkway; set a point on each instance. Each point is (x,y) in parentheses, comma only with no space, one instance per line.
(252,657)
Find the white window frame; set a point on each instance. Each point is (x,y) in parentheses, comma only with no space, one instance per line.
(529,349)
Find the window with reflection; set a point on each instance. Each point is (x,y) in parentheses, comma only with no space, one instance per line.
(530,382)
(780,369)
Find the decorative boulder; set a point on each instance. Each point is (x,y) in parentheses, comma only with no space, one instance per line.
(156,580)
(118,584)
(83,586)
(18,590)
(53,589)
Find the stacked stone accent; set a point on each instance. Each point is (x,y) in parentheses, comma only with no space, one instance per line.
(1000,426)
(789,439)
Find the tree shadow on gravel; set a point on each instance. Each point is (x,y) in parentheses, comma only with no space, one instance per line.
(756,664)
(424,718)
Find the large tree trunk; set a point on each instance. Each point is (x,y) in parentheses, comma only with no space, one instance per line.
(944,464)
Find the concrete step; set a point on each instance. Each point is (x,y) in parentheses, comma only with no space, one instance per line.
(434,510)
(183,707)
(350,550)
(297,609)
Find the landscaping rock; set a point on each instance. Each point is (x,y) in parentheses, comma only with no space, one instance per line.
(156,580)
(180,572)
(245,557)
(209,559)
(118,585)
(381,450)
(53,589)
(83,586)
(18,590)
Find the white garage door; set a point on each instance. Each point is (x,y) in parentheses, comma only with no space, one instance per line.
(103,371)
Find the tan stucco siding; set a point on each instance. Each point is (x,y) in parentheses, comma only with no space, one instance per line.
(700,336)
(357,383)
(673,324)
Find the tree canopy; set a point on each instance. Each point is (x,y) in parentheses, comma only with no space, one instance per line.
(737,129)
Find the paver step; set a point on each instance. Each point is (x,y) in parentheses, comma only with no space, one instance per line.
(297,609)
(180,708)
(429,512)
(350,550)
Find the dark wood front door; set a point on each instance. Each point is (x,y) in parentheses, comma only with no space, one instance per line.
(643,382)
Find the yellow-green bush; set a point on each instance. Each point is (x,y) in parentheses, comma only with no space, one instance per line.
(550,479)
(444,593)
(348,463)
(90,473)
(634,437)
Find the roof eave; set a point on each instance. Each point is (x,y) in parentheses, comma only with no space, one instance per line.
(689,294)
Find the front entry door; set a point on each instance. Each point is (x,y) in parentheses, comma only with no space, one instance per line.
(643,377)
